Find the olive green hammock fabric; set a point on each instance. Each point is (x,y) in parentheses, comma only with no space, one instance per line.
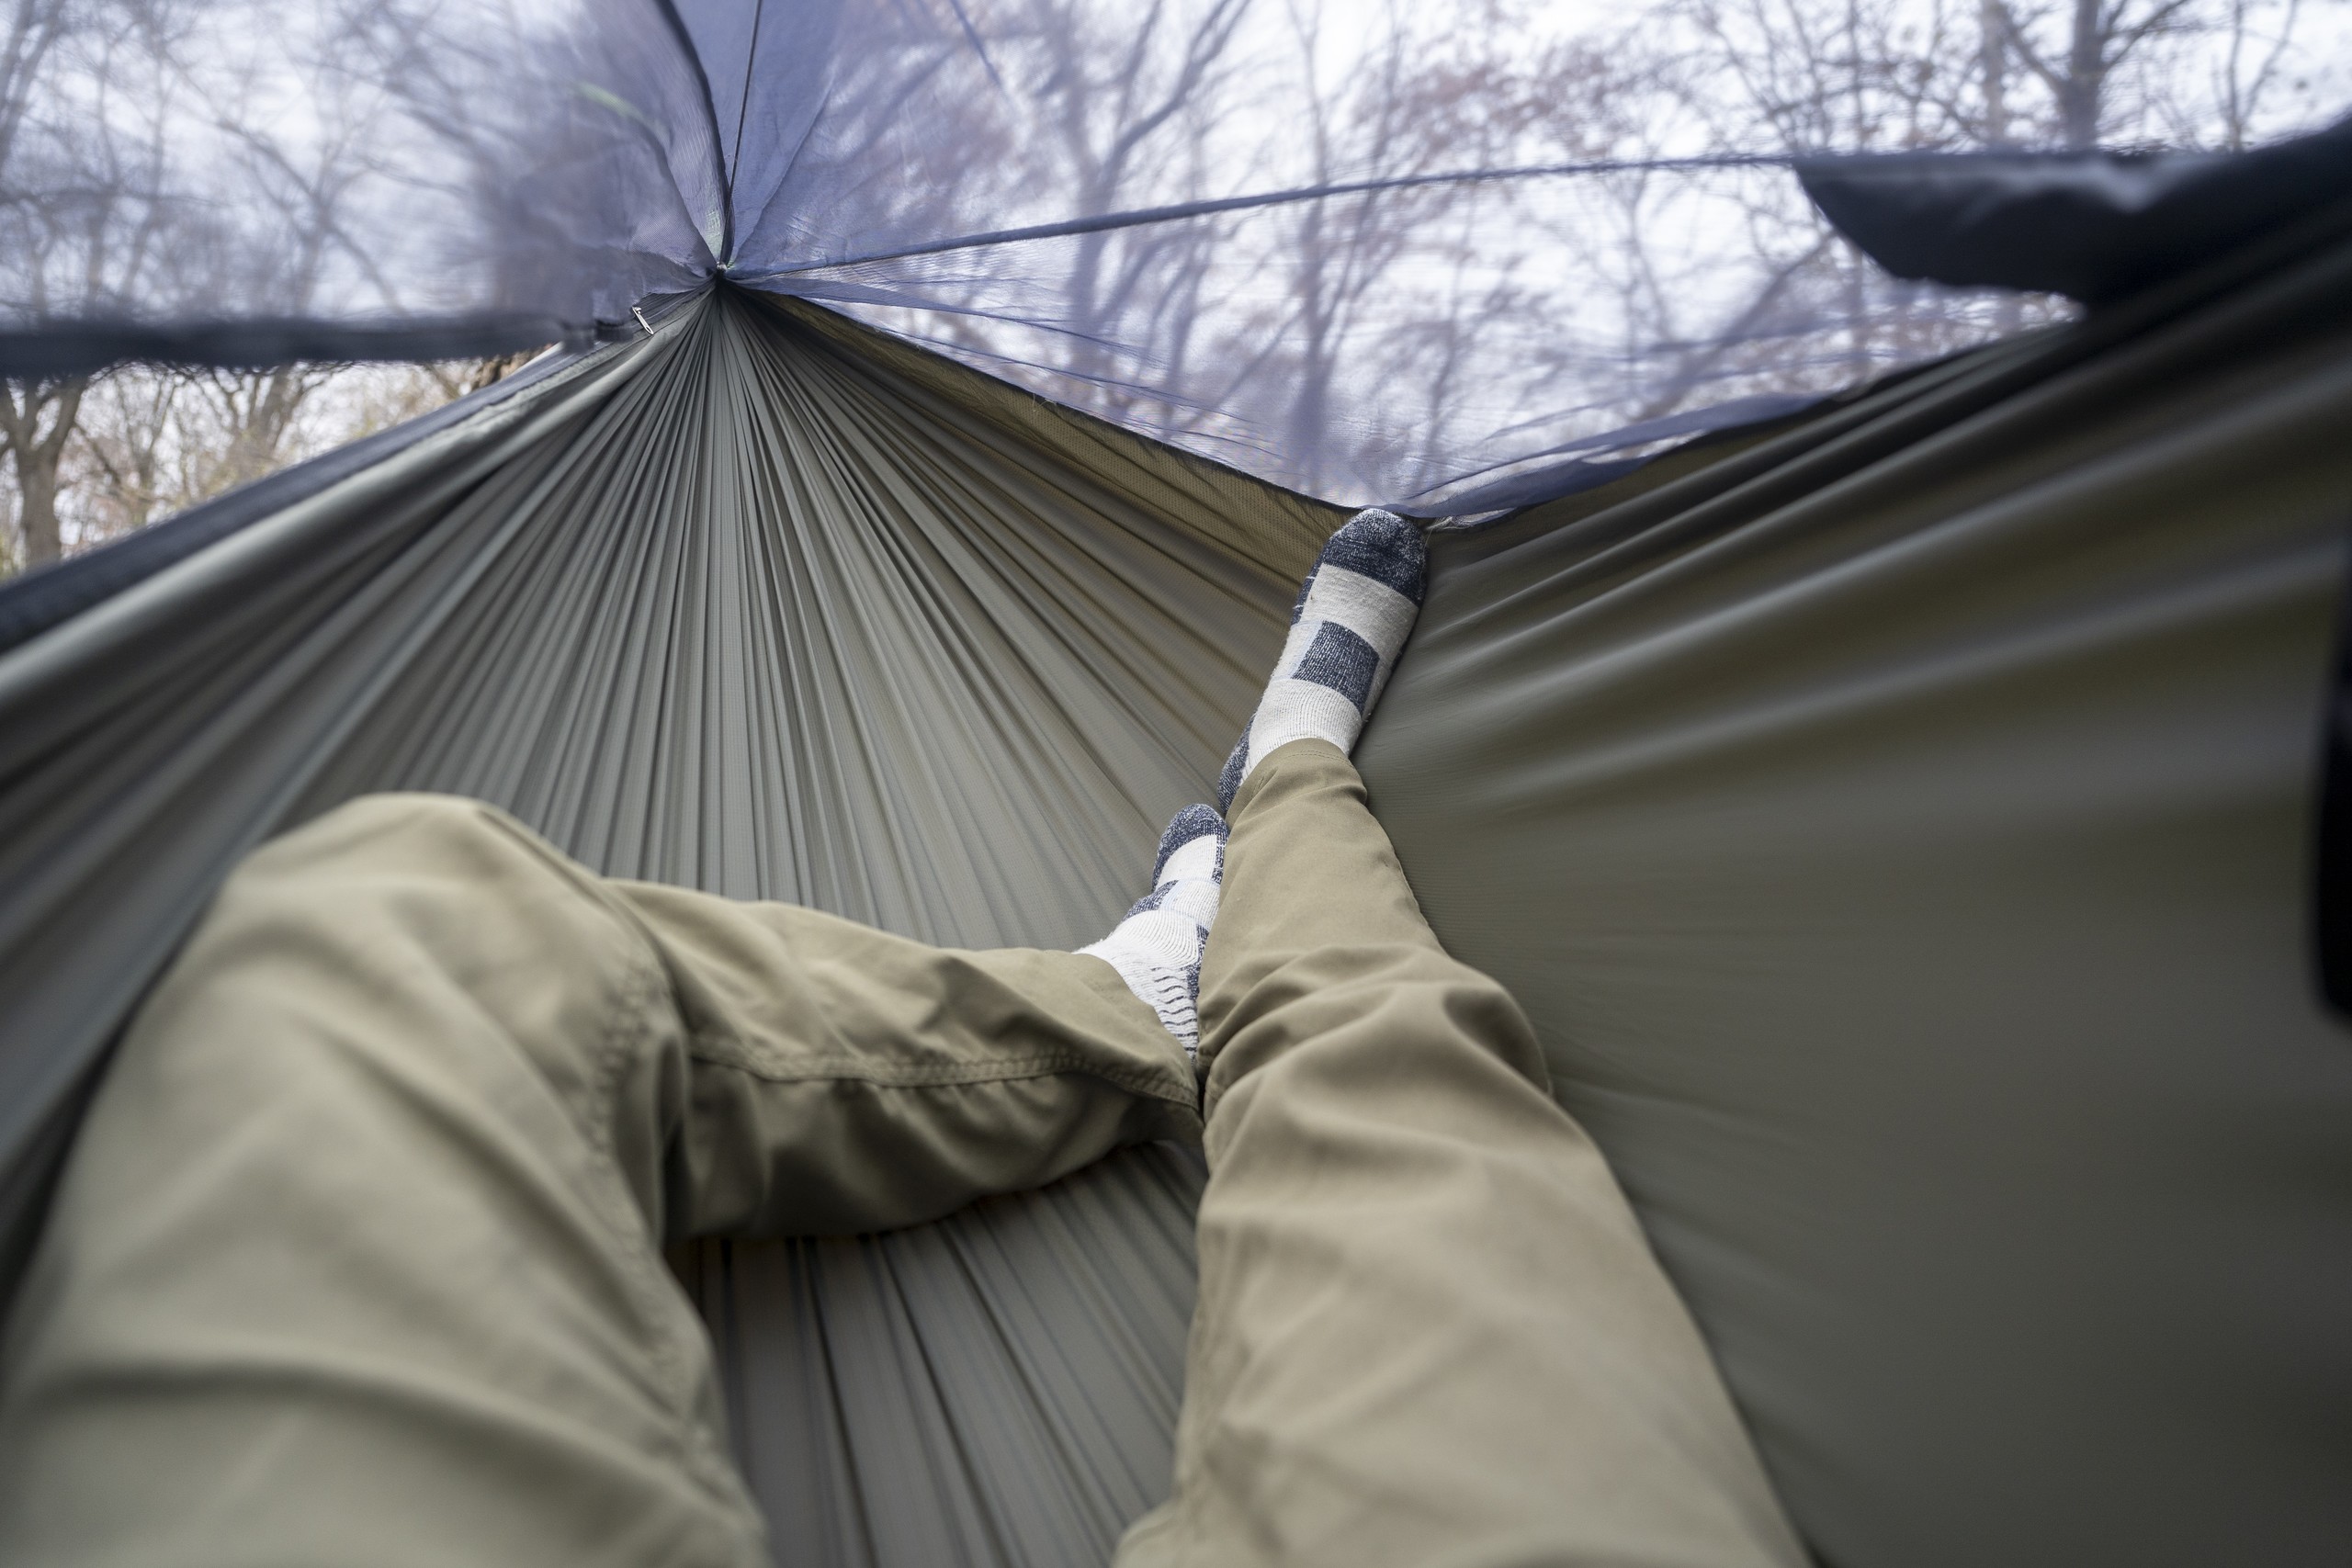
(1901,832)
(776,615)
(1897,825)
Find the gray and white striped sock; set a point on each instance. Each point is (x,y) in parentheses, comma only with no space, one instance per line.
(1156,948)
(1353,614)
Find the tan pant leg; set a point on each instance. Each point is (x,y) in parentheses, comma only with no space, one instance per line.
(355,1262)
(1430,1330)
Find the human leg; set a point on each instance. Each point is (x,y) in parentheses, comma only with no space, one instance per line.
(1429,1329)
(355,1259)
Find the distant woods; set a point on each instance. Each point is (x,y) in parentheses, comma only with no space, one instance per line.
(139,444)
(173,160)
(158,163)
(1372,346)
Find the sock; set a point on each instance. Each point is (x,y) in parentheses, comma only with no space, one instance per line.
(1353,616)
(1156,949)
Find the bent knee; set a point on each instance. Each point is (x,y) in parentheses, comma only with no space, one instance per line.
(404,837)
(1371,996)
(390,891)
(423,863)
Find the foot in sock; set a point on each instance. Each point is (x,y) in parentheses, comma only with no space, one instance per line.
(1353,616)
(1156,949)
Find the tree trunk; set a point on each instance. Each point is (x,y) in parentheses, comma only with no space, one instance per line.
(38,453)
(258,409)
(37,508)
(2084,86)
(1993,61)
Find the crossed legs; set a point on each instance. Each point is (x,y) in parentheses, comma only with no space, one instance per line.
(357,1257)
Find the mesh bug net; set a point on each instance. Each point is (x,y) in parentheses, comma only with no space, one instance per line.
(1373,255)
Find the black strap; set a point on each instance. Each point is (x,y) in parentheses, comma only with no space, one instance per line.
(2331,871)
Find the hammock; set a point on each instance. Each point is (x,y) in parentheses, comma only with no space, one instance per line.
(1897,819)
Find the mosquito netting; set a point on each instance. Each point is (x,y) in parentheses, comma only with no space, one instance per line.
(1389,254)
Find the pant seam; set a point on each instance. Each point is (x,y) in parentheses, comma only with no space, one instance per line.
(729,1051)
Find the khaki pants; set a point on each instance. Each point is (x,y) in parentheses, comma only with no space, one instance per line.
(358,1258)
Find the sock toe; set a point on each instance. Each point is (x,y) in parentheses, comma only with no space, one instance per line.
(1383,546)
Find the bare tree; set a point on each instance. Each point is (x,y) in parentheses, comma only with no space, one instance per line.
(80,166)
(35,422)
(1769,297)
(153,441)
(1387,118)
(1349,343)
(254,413)
(139,131)
(1128,104)
(36,419)
(125,467)
(2076,66)
(34,27)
